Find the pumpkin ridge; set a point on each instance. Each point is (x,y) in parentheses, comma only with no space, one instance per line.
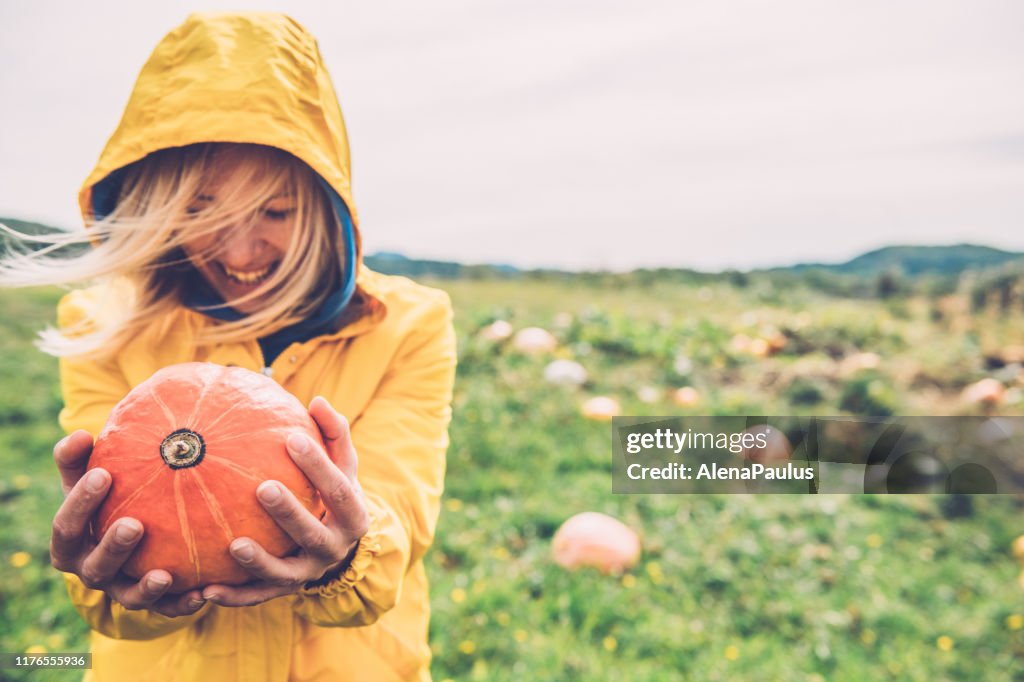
(208,428)
(218,440)
(214,507)
(172,420)
(114,514)
(236,469)
(186,528)
(190,421)
(145,437)
(129,460)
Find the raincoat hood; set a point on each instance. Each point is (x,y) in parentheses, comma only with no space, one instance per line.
(249,77)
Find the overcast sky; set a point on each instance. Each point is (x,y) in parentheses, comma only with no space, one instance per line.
(596,134)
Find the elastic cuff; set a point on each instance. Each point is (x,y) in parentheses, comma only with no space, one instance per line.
(366,550)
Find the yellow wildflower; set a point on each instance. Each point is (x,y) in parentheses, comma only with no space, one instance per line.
(20,559)
(944,643)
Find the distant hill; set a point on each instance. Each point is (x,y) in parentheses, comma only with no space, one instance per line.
(909,261)
(30,228)
(391,263)
(26,227)
(919,260)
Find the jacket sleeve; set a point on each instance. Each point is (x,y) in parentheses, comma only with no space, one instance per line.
(401,439)
(91,389)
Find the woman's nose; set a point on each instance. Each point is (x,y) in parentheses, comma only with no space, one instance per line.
(239,248)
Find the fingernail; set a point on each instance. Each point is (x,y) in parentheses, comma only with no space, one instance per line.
(126,531)
(213,596)
(243,550)
(158,583)
(269,493)
(298,443)
(195,603)
(95,480)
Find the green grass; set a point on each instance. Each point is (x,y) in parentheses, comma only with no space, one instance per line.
(728,587)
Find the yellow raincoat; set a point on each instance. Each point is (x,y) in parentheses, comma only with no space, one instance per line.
(259,78)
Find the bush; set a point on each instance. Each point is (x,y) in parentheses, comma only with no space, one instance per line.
(805,391)
(868,394)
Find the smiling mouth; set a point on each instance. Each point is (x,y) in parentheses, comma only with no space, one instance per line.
(248,277)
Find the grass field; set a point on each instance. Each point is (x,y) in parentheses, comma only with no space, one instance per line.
(728,587)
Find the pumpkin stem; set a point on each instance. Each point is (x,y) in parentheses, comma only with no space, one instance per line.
(182,449)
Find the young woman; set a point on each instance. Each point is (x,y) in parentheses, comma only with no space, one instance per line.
(223,230)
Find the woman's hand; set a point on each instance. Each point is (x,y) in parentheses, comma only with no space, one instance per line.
(98,565)
(325,546)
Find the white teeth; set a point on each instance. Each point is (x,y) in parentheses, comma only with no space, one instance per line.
(250,277)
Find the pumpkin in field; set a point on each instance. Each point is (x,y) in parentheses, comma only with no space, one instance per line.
(687,396)
(534,341)
(601,408)
(988,391)
(1018,549)
(776,447)
(597,540)
(186,450)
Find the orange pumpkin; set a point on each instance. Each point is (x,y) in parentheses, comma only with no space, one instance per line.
(186,450)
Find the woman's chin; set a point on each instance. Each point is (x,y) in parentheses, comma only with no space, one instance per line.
(251,305)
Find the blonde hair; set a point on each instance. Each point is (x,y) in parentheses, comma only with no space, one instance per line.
(142,244)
